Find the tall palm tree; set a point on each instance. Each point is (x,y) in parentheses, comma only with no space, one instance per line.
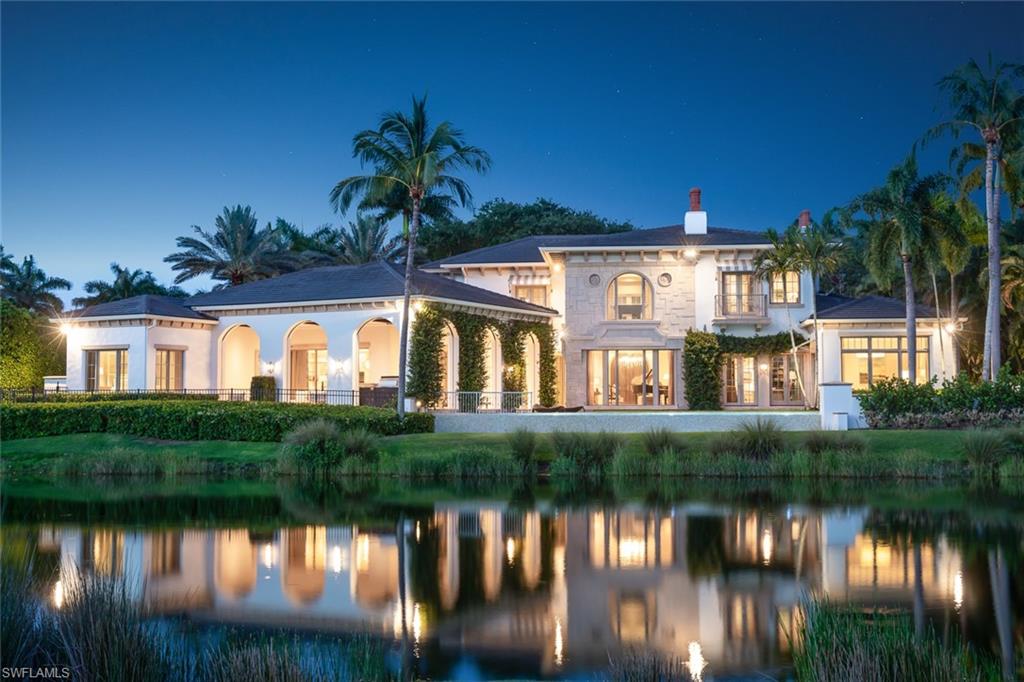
(947,247)
(902,226)
(236,252)
(989,104)
(126,283)
(27,286)
(777,261)
(408,154)
(818,250)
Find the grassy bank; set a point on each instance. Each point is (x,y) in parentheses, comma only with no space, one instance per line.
(879,454)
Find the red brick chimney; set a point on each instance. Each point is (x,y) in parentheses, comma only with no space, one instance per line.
(695,199)
(804,221)
(696,220)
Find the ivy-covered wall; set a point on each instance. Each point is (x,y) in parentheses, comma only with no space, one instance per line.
(703,353)
(427,341)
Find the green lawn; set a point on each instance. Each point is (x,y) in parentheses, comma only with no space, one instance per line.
(21,456)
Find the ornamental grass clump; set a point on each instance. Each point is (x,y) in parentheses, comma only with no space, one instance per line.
(312,447)
(759,439)
(984,449)
(589,453)
(523,444)
(660,441)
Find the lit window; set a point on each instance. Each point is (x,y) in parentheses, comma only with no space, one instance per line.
(106,370)
(740,380)
(630,297)
(866,359)
(630,377)
(785,383)
(785,288)
(538,295)
(169,364)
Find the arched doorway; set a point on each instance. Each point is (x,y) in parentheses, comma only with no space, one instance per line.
(377,361)
(449,361)
(531,361)
(239,357)
(307,358)
(492,361)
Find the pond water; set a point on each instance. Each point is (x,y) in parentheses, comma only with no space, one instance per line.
(538,582)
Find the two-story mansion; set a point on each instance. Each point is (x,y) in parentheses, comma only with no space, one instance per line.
(620,304)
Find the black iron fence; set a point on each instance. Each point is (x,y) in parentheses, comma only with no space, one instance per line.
(369,396)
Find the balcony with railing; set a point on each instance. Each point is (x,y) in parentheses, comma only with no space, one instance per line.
(744,307)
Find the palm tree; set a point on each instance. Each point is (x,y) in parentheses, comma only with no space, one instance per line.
(990,105)
(818,250)
(777,261)
(364,241)
(236,252)
(946,248)
(903,225)
(409,155)
(126,283)
(27,286)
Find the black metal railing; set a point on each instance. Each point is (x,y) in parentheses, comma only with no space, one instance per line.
(740,305)
(371,396)
(485,401)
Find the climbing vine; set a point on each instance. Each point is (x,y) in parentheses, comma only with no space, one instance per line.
(427,343)
(703,354)
(425,372)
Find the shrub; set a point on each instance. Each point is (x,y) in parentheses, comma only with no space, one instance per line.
(984,448)
(818,442)
(759,439)
(196,420)
(591,452)
(523,444)
(657,442)
(312,446)
(360,444)
(896,403)
(263,389)
(633,463)
(1014,440)
(702,367)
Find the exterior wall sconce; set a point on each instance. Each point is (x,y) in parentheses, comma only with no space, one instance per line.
(270,368)
(690,254)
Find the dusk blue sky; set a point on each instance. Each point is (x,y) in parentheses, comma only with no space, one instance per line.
(124,124)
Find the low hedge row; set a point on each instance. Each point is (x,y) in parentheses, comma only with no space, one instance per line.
(196,420)
(896,403)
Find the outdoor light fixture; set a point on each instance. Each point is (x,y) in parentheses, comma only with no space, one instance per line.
(950,327)
(65,328)
(690,253)
(763,366)
(557,267)
(417,306)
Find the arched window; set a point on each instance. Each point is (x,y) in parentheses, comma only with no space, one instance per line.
(630,297)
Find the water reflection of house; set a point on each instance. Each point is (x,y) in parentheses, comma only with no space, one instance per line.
(715,587)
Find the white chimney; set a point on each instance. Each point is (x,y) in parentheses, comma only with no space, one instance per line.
(696,220)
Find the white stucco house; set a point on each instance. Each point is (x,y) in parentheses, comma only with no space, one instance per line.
(620,304)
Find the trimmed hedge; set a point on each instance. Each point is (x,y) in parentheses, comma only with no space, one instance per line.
(896,403)
(196,420)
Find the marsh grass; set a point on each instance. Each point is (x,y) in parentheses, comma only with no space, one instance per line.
(840,643)
(589,453)
(523,445)
(658,441)
(645,665)
(100,632)
(817,442)
(464,464)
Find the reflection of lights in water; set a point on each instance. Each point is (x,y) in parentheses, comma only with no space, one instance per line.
(696,663)
(958,590)
(362,553)
(268,555)
(767,545)
(510,550)
(336,559)
(417,623)
(559,644)
(417,531)
(558,561)
(58,594)
(631,552)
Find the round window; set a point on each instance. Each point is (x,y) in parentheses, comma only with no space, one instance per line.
(595,279)
(664,279)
